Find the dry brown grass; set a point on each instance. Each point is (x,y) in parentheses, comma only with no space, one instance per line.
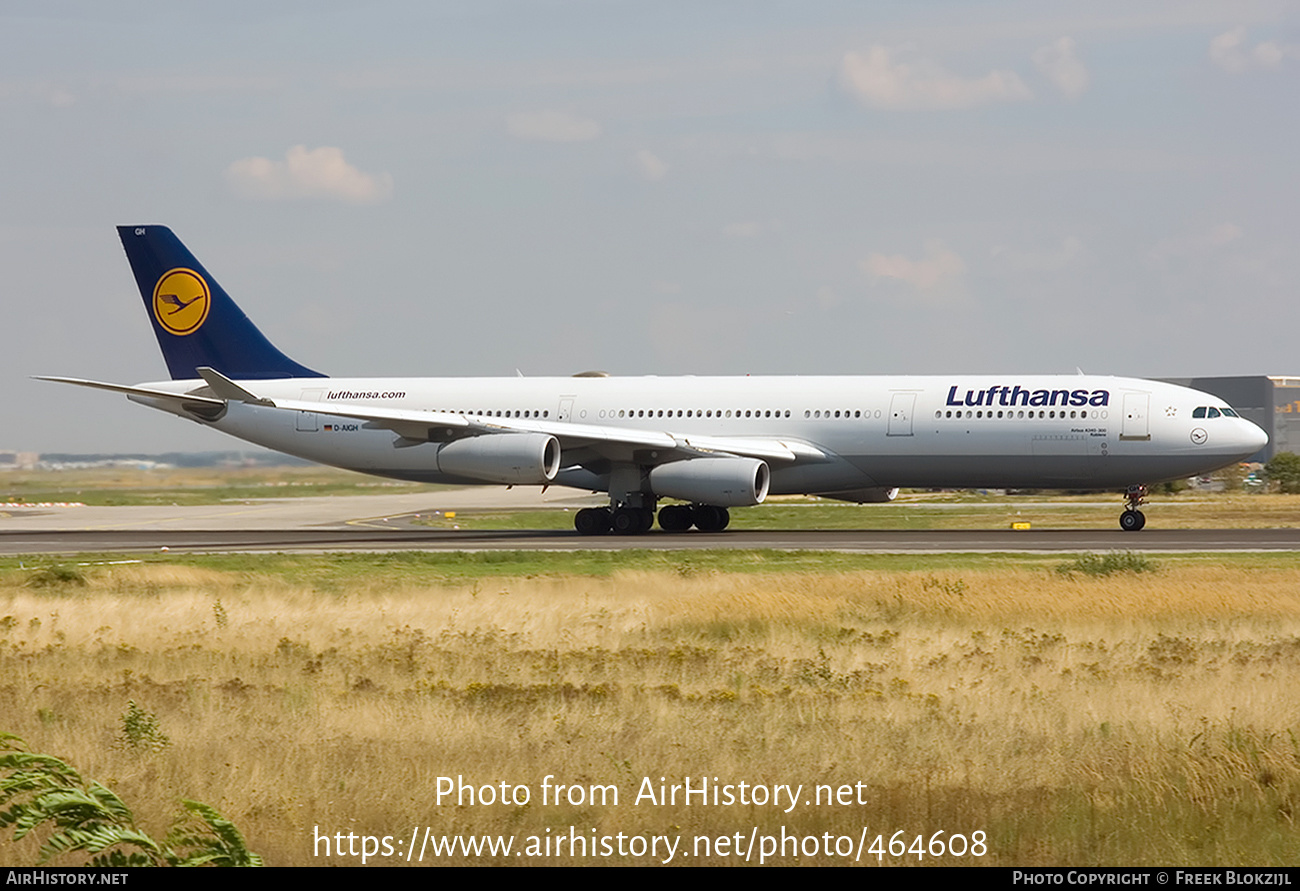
(1129,719)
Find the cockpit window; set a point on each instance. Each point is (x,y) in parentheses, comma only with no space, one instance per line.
(1209,411)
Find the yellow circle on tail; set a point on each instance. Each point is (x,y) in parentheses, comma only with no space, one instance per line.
(181,301)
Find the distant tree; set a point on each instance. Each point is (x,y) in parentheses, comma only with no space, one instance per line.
(1233,477)
(1284,469)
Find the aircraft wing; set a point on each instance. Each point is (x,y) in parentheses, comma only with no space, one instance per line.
(609,442)
(615,443)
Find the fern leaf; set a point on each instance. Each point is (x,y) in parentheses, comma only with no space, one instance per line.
(46,764)
(89,818)
(111,803)
(121,858)
(65,807)
(224,846)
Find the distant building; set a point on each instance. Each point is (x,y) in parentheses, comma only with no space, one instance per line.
(1271,402)
(18,460)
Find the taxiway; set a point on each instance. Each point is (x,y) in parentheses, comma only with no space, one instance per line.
(387,523)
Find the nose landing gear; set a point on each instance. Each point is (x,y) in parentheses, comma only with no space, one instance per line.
(1132,520)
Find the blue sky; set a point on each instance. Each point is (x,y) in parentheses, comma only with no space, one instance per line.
(474,188)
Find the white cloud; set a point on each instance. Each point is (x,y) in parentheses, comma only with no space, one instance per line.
(880,80)
(42,91)
(1223,234)
(197,83)
(936,274)
(745,229)
(552,126)
(318,173)
(1070,251)
(1062,67)
(1197,245)
(650,165)
(1230,52)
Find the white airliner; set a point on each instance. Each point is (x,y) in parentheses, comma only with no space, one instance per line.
(711,442)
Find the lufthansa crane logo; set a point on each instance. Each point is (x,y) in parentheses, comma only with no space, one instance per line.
(181,301)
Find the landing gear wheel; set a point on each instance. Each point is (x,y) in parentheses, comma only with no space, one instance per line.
(592,521)
(676,518)
(632,520)
(1132,520)
(711,519)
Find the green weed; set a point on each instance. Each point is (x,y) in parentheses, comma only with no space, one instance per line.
(1107,564)
(56,576)
(141,730)
(88,818)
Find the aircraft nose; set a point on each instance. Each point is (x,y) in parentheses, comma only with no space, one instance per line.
(1253,438)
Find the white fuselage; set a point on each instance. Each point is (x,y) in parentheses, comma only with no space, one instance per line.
(939,431)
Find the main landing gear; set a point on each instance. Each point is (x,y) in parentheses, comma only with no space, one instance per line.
(627,520)
(1132,520)
(704,517)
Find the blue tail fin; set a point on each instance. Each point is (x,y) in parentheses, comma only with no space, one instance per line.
(196,322)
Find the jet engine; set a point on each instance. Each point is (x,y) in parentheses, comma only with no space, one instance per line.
(509,458)
(722,482)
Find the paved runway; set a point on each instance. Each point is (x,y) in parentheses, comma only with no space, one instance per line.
(363,539)
(277,514)
(382,523)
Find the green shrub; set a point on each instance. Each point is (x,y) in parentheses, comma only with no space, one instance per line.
(1106,564)
(82,817)
(141,730)
(1284,469)
(56,576)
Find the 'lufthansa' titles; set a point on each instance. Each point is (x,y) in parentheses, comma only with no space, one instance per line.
(1017,395)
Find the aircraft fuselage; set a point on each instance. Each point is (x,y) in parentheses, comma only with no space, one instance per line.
(936,431)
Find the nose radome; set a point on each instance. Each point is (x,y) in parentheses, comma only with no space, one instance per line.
(1253,438)
(1256,437)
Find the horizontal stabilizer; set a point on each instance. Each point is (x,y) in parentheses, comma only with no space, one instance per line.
(135,391)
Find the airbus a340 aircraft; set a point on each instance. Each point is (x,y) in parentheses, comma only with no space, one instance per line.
(711,442)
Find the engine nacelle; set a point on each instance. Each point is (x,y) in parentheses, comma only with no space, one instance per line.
(721,482)
(511,458)
(873,495)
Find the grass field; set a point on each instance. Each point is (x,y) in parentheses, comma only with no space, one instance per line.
(1140,717)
